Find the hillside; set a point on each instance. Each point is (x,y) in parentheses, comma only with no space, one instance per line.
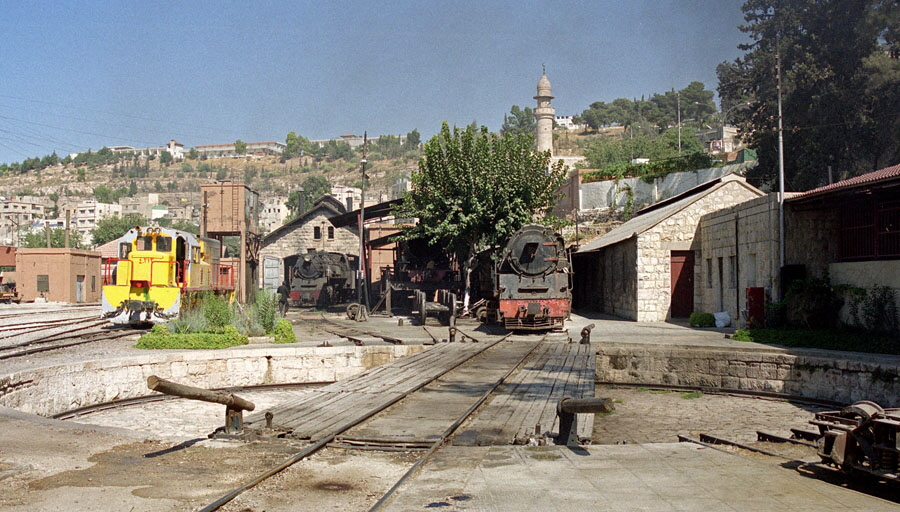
(267,175)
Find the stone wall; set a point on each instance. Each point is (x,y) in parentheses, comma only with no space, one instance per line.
(677,233)
(803,373)
(747,232)
(301,238)
(48,391)
(619,279)
(811,238)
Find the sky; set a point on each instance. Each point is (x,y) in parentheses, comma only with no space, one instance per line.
(82,75)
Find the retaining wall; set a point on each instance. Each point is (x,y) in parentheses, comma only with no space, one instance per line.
(52,390)
(806,373)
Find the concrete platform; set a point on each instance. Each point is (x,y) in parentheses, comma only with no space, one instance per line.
(649,477)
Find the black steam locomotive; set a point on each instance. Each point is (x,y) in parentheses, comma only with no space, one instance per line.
(323,278)
(533,280)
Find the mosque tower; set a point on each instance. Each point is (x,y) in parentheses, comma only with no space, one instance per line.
(544,114)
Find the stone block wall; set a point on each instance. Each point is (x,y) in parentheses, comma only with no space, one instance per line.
(747,232)
(619,269)
(842,378)
(52,390)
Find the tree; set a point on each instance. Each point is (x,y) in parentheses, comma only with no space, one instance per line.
(300,201)
(291,145)
(840,75)
(474,188)
(519,121)
(240,147)
(165,158)
(193,154)
(110,228)
(57,239)
(413,139)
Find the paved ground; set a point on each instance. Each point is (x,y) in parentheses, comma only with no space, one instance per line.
(648,477)
(156,456)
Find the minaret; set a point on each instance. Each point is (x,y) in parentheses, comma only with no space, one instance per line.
(544,115)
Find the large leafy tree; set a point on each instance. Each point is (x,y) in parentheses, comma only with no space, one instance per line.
(110,228)
(474,188)
(840,77)
(519,121)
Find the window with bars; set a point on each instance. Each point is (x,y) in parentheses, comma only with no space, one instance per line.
(870,229)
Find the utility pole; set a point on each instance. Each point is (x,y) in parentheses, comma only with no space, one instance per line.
(678,106)
(361,294)
(780,154)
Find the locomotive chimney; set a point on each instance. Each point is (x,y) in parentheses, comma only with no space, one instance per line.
(350,204)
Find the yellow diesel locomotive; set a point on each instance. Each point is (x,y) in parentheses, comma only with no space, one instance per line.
(159,269)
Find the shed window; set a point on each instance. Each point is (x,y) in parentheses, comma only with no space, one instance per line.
(709,272)
(331,232)
(93,283)
(43,284)
(317,233)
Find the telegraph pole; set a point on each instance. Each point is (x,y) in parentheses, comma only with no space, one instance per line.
(361,294)
(780,154)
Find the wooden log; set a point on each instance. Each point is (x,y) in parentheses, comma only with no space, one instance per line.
(219,397)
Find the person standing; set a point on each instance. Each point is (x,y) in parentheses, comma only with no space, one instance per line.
(283,292)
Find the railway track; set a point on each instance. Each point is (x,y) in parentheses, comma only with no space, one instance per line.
(66,339)
(333,437)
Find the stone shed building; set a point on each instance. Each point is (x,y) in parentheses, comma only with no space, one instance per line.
(645,269)
(58,275)
(312,231)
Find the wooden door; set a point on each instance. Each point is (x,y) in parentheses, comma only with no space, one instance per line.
(682,283)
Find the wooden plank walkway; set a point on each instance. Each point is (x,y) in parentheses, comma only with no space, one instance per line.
(324,410)
(420,418)
(530,396)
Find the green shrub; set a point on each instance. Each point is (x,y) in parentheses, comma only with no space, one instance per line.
(814,303)
(266,310)
(189,320)
(699,319)
(159,337)
(284,332)
(217,312)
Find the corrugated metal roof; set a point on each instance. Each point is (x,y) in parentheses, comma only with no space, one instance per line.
(652,217)
(858,181)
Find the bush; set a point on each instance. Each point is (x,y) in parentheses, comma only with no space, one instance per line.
(217,312)
(876,310)
(189,320)
(699,319)
(159,337)
(266,310)
(814,303)
(284,332)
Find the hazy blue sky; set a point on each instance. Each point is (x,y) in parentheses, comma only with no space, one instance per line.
(79,75)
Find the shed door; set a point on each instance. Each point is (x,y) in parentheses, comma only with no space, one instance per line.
(271,273)
(79,288)
(682,283)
